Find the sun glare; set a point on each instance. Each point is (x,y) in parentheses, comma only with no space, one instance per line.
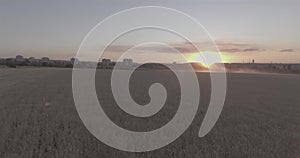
(199,58)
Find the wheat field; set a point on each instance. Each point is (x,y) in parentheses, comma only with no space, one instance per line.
(38,118)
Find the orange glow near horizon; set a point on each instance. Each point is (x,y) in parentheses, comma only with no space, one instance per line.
(198,57)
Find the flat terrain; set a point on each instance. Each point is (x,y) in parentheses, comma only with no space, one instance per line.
(38,118)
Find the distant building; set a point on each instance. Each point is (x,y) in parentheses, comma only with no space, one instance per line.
(10,62)
(295,67)
(73,60)
(45,61)
(59,63)
(106,62)
(19,59)
(34,62)
(2,61)
(127,62)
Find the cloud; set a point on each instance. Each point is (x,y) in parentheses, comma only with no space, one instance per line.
(231,44)
(228,47)
(231,47)
(251,50)
(238,50)
(170,50)
(181,47)
(117,48)
(287,50)
(230,50)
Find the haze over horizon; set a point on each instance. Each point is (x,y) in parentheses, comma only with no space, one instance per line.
(244,30)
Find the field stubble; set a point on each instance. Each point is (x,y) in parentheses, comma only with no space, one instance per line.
(38,117)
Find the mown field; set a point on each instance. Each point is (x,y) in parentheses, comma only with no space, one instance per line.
(38,118)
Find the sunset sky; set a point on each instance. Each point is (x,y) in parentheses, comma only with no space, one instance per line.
(267,31)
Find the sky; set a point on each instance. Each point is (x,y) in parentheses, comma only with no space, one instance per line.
(267,31)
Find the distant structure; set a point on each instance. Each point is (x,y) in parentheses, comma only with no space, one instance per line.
(73,60)
(127,62)
(2,61)
(34,62)
(59,63)
(106,62)
(264,67)
(31,58)
(19,59)
(45,61)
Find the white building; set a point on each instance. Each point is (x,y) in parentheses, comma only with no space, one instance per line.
(20,59)
(127,62)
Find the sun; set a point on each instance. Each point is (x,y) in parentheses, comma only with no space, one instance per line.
(199,58)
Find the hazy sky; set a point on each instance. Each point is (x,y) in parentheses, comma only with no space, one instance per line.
(244,30)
